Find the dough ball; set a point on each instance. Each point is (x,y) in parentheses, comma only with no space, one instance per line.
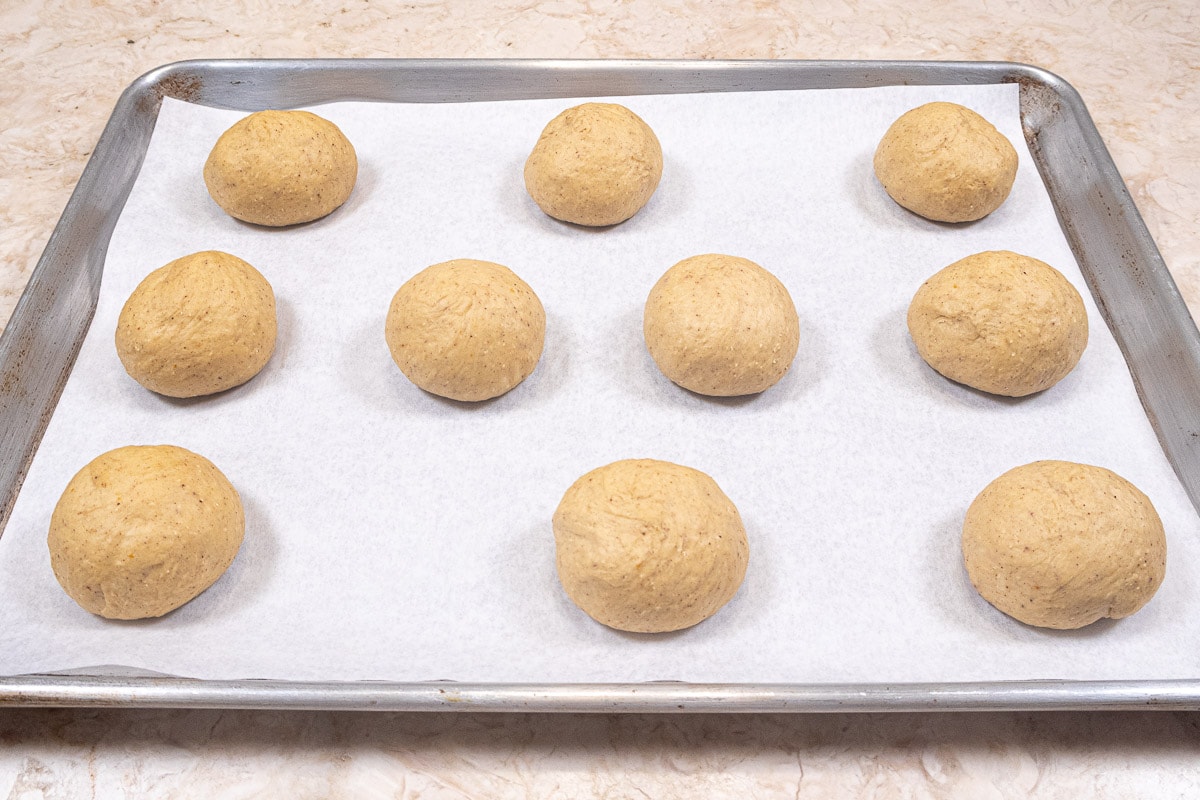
(1060,545)
(999,322)
(467,330)
(140,531)
(721,326)
(594,164)
(648,546)
(281,168)
(201,324)
(946,163)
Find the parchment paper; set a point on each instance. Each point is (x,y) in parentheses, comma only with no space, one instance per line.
(395,535)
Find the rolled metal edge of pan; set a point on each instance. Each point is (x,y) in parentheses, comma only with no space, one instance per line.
(43,336)
(652,697)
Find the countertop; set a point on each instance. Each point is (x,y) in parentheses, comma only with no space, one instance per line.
(65,62)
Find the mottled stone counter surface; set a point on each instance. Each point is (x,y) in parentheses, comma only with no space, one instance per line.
(64,62)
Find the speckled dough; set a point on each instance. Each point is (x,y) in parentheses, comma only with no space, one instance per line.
(649,546)
(281,168)
(140,531)
(721,325)
(1000,322)
(201,324)
(467,330)
(946,163)
(594,164)
(1061,545)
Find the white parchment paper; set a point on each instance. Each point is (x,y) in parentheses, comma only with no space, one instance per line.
(395,535)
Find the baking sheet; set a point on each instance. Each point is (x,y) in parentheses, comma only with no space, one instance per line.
(395,536)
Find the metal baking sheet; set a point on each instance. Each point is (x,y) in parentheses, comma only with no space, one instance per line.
(1125,273)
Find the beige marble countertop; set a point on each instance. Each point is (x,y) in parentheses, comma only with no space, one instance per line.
(63,64)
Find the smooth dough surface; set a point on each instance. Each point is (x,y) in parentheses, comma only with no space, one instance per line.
(946,163)
(594,164)
(1000,322)
(649,546)
(201,324)
(281,168)
(721,325)
(467,330)
(1061,545)
(142,530)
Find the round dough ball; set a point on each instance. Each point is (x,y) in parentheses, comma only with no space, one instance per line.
(594,164)
(721,326)
(140,531)
(201,324)
(946,163)
(281,168)
(467,330)
(1000,322)
(649,546)
(1061,545)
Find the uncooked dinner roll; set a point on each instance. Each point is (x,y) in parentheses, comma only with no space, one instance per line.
(1061,545)
(721,326)
(140,531)
(281,168)
(594,164)
(946,163)
(649,546)
(467,330)
(201,324)
(1000,322)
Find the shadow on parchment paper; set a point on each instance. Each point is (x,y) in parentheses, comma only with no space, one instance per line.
(371,374)
(670,200)
(264,381)
(514,207)
(528,588)
(365,184)
(948,589)
(876,204)
(872,200)
(895,354)
(757,594)
(247,578)
(674,198)
(636,370)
